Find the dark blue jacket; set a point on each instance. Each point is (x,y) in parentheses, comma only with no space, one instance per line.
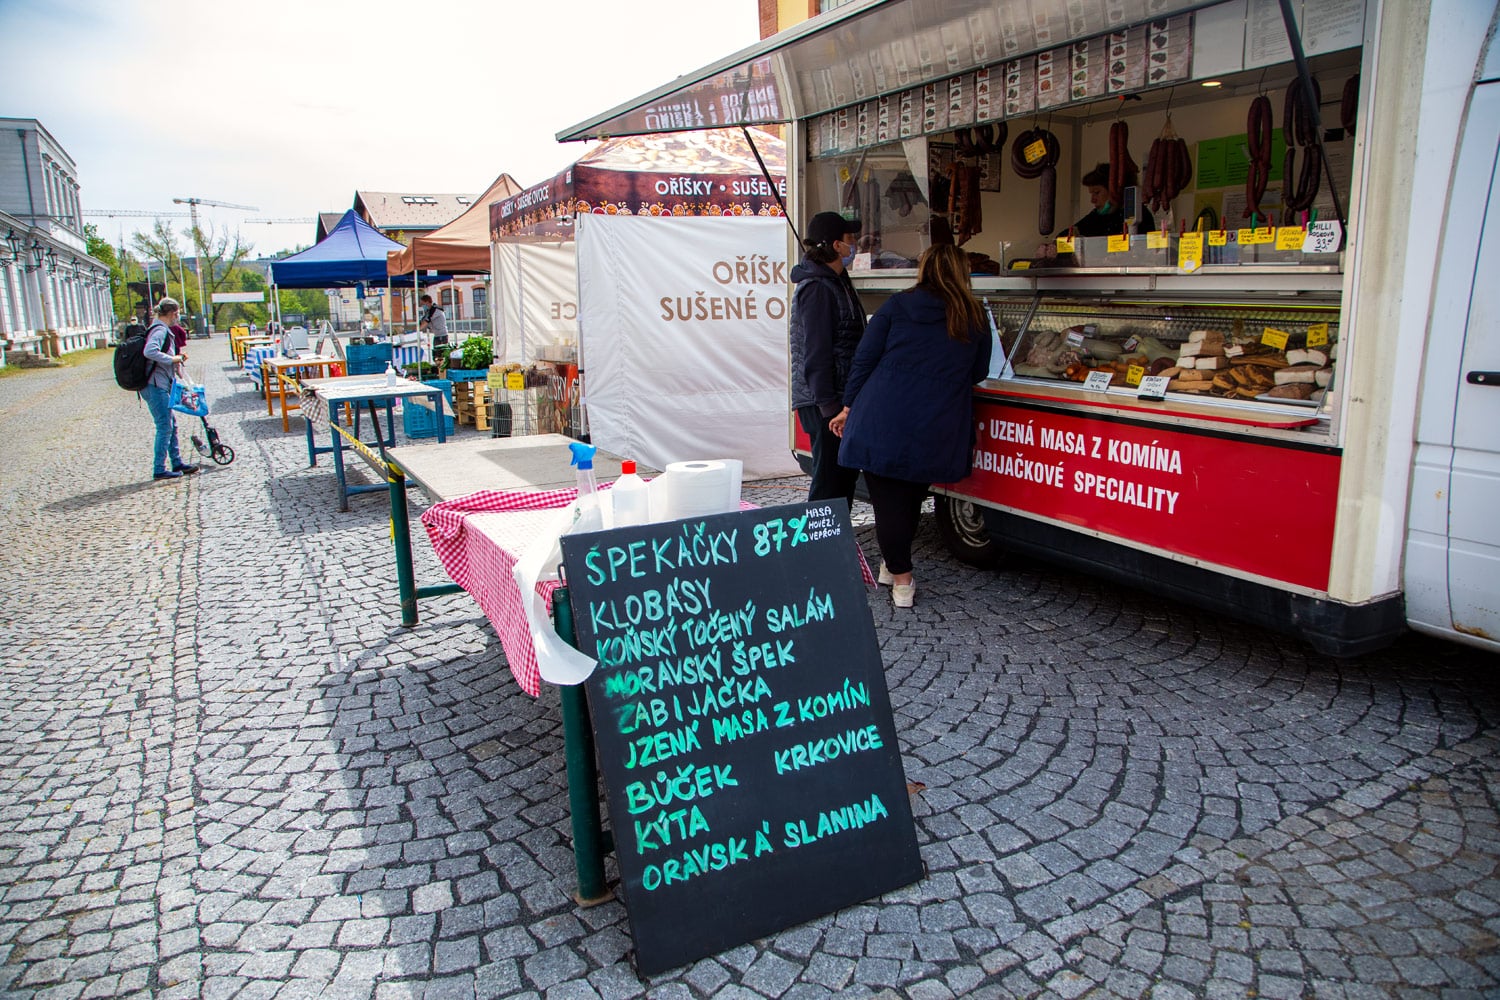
(910,392)
(826,324)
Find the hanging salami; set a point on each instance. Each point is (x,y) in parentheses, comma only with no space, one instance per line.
(1035,152)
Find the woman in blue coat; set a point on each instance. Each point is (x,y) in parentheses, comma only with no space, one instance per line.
(908,413)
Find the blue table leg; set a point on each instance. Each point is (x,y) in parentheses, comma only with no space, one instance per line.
(437,409)
(312,454)
(338,467)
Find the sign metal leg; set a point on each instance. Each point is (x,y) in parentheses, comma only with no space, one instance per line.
(406,582)
(583,773)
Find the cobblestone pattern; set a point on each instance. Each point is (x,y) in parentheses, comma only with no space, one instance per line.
(226,771)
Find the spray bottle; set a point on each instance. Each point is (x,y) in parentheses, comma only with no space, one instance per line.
(628,497)
(588,516)
(390,374)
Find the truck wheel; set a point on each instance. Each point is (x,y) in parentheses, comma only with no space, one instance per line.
(965,534)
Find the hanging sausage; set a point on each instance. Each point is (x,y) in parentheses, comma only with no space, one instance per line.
(1299,129)
(1258,143)
(1169,169)
(1034,155)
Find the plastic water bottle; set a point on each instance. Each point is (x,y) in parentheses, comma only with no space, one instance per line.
(628,497)
(390,374)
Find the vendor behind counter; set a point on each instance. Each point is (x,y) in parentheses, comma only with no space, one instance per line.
(1107,218)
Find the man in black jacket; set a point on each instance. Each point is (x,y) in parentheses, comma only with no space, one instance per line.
(826,325)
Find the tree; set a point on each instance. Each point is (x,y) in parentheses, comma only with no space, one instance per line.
(98,248)
(218,255)
(160,247)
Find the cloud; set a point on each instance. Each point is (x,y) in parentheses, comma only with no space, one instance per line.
(292,105)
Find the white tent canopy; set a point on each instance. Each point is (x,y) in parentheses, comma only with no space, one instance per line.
(535,297)
(683,337)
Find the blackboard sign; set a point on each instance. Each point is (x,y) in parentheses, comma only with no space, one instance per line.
(743,724)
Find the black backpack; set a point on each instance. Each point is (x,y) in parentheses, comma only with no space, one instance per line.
(132,367)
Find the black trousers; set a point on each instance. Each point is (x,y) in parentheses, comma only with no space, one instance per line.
(898,506)
(829,478)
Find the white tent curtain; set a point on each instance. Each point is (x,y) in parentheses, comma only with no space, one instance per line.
(535,293)
(684,339)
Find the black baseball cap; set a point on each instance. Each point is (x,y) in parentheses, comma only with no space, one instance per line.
(826,227)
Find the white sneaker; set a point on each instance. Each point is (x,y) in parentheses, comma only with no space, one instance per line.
(902,594)
(885,578)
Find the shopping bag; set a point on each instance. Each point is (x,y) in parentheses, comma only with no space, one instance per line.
(189,398)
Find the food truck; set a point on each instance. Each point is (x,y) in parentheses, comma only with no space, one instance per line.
(1268,385)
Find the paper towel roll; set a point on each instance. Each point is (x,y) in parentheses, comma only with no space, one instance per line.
(694,489)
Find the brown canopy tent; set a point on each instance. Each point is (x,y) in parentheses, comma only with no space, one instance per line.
(460,247)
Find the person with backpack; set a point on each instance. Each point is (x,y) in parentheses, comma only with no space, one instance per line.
(163,355)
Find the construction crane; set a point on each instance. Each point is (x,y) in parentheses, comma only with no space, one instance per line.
(112,213)
(300,221)
(192,204)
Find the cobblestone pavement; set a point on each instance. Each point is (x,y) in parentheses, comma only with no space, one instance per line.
(226,771)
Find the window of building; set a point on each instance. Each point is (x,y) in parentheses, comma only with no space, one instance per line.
(481,301)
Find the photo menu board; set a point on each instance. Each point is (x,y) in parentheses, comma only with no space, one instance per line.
(743,725)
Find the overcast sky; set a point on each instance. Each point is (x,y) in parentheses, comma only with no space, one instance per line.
(293,105)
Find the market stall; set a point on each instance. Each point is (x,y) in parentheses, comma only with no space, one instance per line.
(712,173)
(1210,386)
(538,274)
(352,253)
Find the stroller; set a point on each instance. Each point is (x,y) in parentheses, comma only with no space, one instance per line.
(192,400)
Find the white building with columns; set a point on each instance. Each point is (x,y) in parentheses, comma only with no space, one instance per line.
(54,297)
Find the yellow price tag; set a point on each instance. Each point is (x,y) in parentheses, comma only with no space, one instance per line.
(1035,151)
(1156,240)
(515,380)
(1218,237)
(1250,237)
(1119,244)
(1317,335)
(1274,338)
(1290,237)
(1065,244)
(1020,265)
(1189,252)
(1134,374)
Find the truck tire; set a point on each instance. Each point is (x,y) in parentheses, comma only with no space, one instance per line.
(965,534)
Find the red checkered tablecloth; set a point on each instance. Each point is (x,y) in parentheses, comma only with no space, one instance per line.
(479,539)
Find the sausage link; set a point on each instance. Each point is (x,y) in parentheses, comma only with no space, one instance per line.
(1047,201)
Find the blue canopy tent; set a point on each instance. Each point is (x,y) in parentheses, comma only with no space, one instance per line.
(353,253)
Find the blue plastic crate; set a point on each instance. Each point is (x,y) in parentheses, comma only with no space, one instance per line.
(418,421)
(367,359)
(468,374)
